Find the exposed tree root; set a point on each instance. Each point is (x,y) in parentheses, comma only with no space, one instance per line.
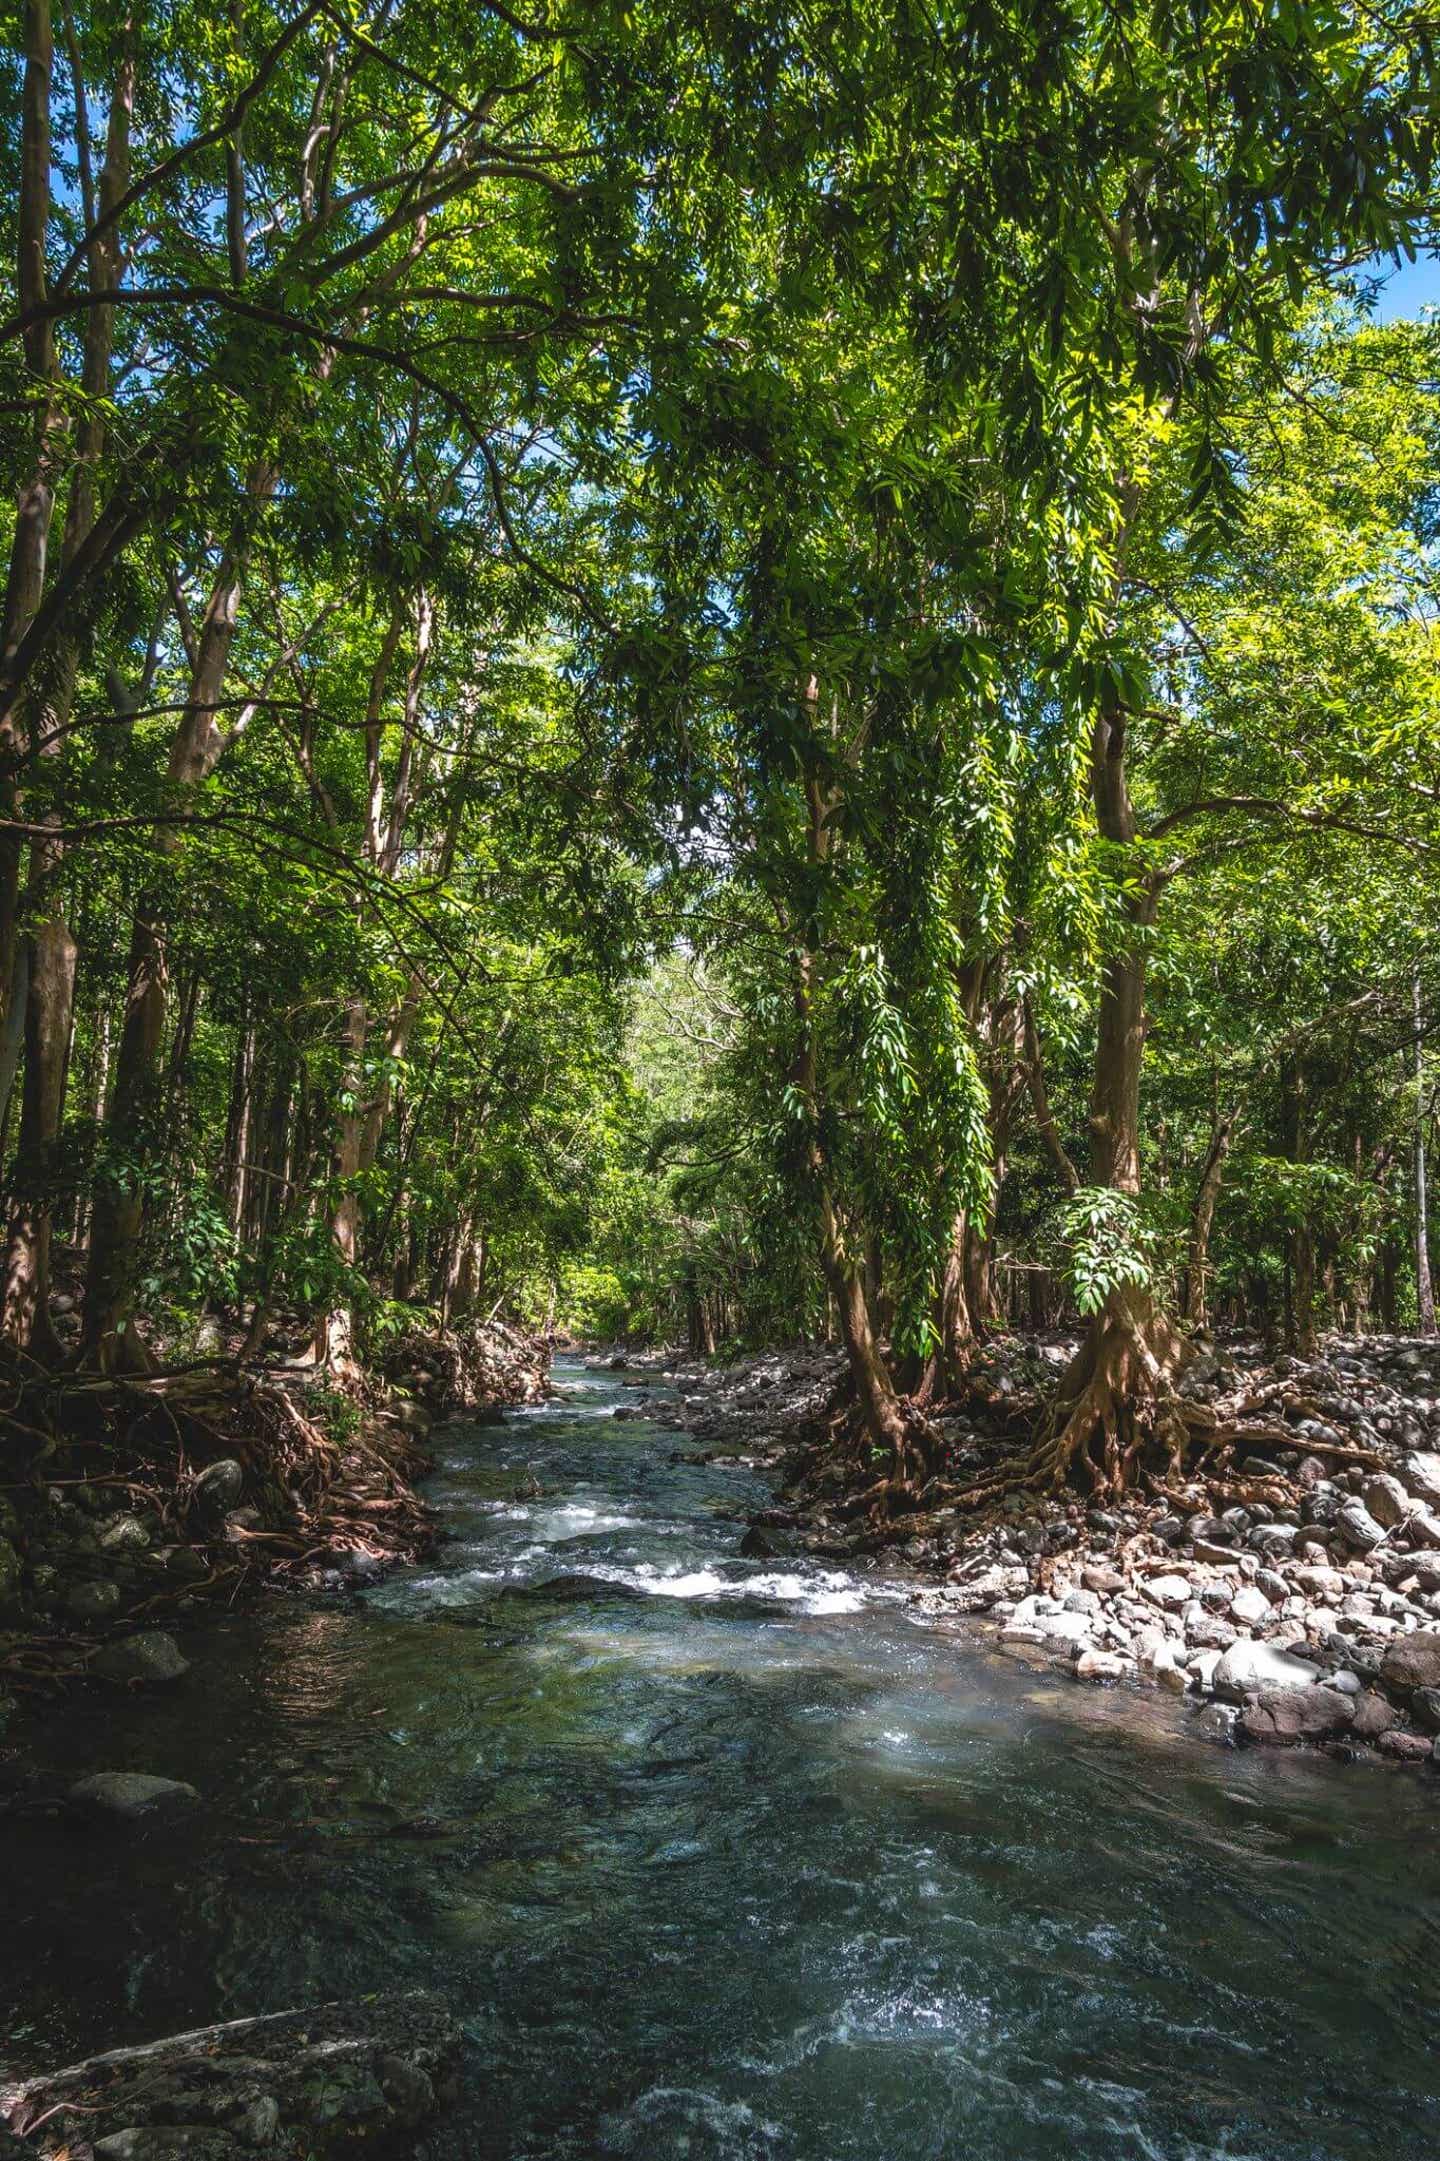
(1117,1399)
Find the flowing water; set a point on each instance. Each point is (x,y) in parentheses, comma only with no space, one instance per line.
(724,1858)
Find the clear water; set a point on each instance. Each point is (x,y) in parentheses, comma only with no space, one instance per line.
(738,1859)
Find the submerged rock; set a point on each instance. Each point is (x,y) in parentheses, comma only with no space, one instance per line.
(133,1793)
(149,1656)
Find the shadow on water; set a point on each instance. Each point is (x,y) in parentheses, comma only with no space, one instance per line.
(728,1858)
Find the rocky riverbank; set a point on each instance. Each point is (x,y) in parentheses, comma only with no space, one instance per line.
(132,1504)
(318,2082)
(1291,1593)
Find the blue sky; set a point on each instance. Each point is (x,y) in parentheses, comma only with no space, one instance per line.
(1410,288)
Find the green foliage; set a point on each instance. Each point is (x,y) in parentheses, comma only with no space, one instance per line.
(1109,1245)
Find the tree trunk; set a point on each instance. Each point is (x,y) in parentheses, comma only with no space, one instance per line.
(843,1270)
(1212,1171)
(25,1297)
(1300,1245)
(1119,1390)
(1424,1286)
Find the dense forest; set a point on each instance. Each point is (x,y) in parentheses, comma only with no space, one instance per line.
(735,673)
(719,1056)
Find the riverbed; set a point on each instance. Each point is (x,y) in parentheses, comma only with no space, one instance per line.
(735,1858)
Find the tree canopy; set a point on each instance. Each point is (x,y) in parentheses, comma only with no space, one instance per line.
(749,670)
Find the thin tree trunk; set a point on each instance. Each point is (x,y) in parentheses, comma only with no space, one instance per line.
(1212,1172)
(110,1338)
(1118,1391)
(1425,1289)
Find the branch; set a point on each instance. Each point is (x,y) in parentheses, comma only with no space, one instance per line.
(227,123)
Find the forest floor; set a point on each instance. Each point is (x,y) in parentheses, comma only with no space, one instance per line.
(132,1504)
(1292,1593)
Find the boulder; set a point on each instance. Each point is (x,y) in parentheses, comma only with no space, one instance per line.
(149,1656)
(1412,1662)
(320,2083)
(218,1489)
(1373,1716)
(1283,1715)
(1217,1722)
(132,1793)
(1249,1666)
(1405,1747)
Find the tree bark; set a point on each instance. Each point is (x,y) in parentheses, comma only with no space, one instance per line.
(1212,1172)
(1118,1391)
(842,1269)
(1424,1285)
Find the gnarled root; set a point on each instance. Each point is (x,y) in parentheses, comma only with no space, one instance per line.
(1119,1396)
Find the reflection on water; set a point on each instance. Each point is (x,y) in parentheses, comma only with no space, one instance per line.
(727,1858)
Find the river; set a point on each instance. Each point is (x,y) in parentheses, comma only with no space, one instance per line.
(741,1859)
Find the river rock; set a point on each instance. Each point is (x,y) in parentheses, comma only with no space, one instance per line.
(186,1565)
(92,1601)
(1250,1665)
(1357,1526)
(1217,1722)
(1425,1706)
(1169,1593)
(1250,1605)
(124,1534)
(132,1793)
(1413,1662)
(1405,1747)
(1097,1577)
(1283,1715)
(1093,1665)
(1422,1476)
(149,1656)
(218,1489)
(1207,1631)
(318,2082)
(1373,1716)
(1320,1582)
(1386,1499)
